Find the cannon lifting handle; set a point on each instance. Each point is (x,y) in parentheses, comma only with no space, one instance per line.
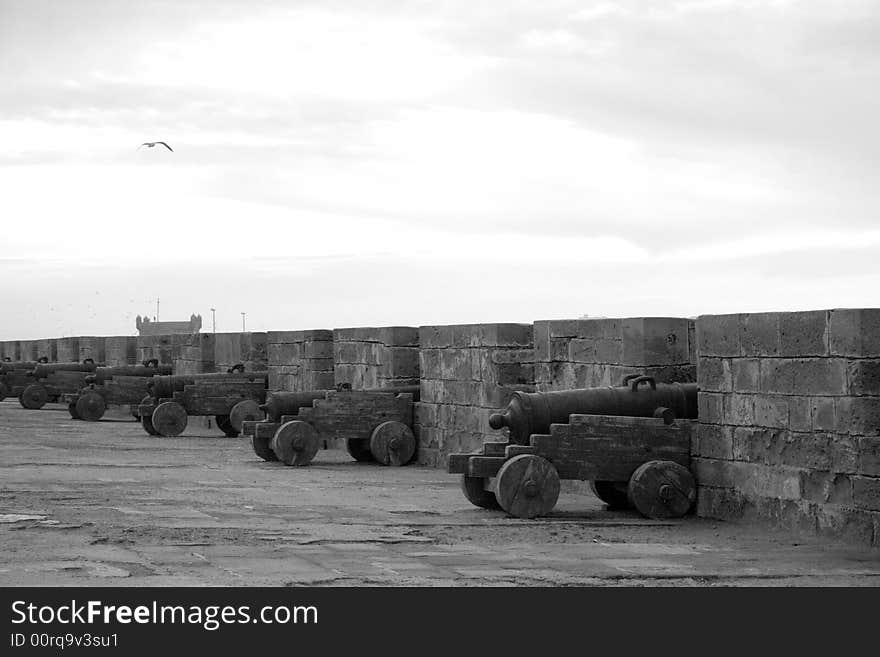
(634,383)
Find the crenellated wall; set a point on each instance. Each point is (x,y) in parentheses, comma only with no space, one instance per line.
(27,349)
(249,349)
(92,346)
(10,349)
(370,357)
(120,350)
(47,347)
(300,360)
(585,353)
(790,420)
(468,371)
(166,348)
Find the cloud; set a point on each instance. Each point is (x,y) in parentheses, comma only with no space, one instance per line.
(320,143)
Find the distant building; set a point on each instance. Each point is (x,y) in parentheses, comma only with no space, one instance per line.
(147,327)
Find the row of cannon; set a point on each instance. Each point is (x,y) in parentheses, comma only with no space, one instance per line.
(631,441)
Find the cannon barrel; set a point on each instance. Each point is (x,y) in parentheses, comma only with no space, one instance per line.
(104,374)
(28,365)
(288,403)
(42,370)
(533,412)
(165,386)
(280,403)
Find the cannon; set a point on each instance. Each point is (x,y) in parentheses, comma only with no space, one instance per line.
(172,399)
(15,377)
(533,412)
(52,380)
(631,442)
(120,386)
(375,424)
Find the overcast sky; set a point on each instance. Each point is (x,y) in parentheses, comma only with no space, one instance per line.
(374,163)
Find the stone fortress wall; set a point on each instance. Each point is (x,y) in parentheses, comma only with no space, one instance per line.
(789,426)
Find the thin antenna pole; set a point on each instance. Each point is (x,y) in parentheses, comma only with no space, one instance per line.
(157,309)
(242,323)
(213,320)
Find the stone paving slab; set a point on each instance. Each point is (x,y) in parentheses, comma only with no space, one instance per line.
(105,504)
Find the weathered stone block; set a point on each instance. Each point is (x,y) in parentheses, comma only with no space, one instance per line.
(710,407)
(859,415)
(455,364)
(866,493)
(715,473)
(467,335)
(506,374)
(800,411)
(351,374)
(864,377)
(559,349)
(854,332)
(868,459)
(715,375)
(435,336)
(746,373)
(771,411)
(283,353)
(803,333)
(507,335)
(759,334)
(844,523)
(318,349)
(759,481)
(715,442)
(399,336)
(804,376)
(541,340)
(664,341)
(739,409)
(828,488)
(823,414)
(400,361)
(844,451)
(719,503)
(563,328)
(718,335)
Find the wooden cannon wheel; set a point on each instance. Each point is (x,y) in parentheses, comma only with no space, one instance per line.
(295,443)
(474,489)
(169,419)
(359,448)
(225,425)
(262,448)
(71,408)
(147,424)
(90,406)
(527,486)
(662,489)
(147,420)
(392,443)
(243,411)
(34,397)
(614,493)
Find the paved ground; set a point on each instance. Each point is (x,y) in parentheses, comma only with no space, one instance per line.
(105,504)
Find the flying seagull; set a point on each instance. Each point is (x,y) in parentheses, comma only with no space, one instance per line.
(150,144)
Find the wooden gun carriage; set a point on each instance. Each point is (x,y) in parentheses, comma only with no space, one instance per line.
(52,380)
(173,398)
(125,385)
(15,377)
(375,424)
(632,442)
